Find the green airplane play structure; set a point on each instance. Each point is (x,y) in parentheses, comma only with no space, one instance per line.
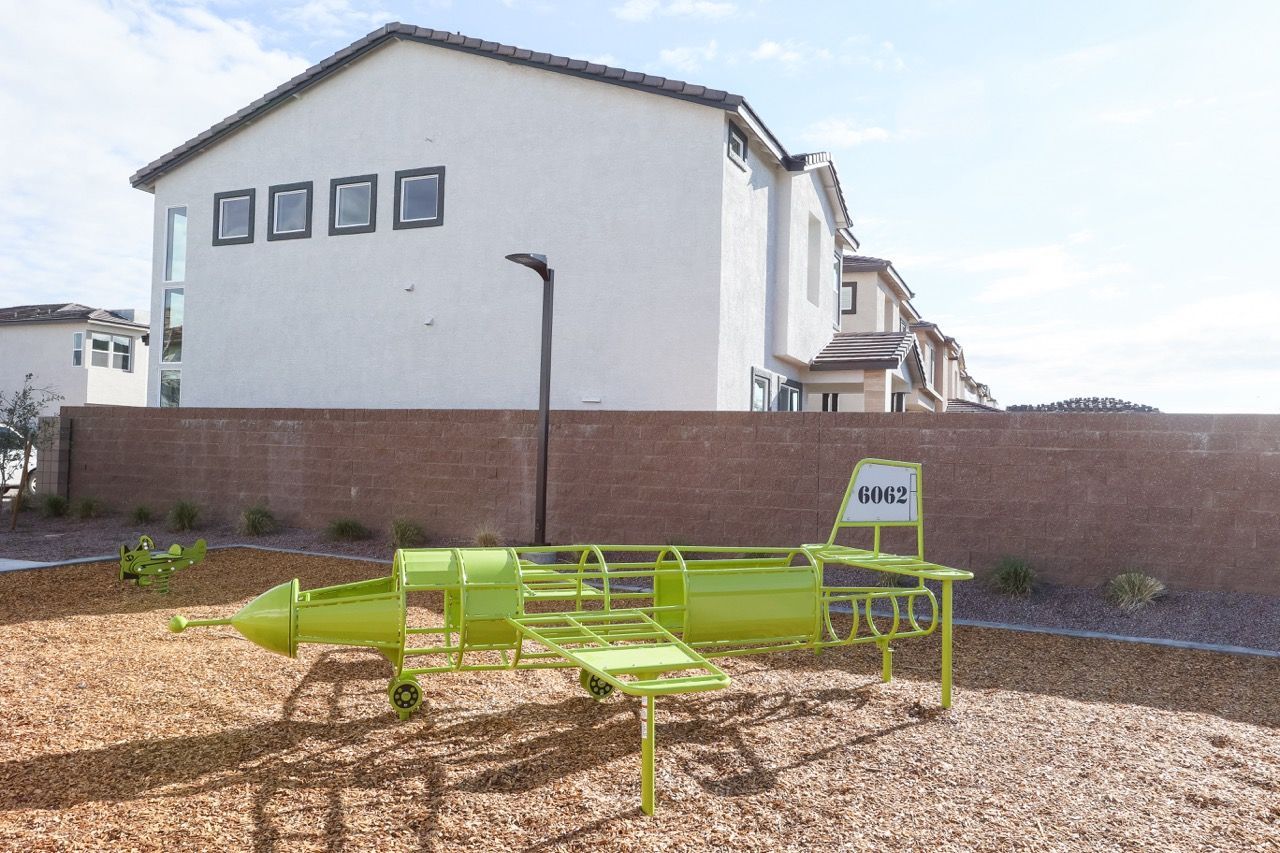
(147,567)
(644,620)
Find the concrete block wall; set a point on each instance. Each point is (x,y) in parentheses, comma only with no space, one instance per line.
(1193,499)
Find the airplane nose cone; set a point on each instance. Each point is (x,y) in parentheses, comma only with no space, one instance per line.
(270,619)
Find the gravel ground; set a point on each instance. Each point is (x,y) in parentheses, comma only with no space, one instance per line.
(1235,619)
(121,736)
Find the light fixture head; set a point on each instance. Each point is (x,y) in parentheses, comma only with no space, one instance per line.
(535,262)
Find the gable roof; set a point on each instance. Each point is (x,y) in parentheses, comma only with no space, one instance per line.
(145,177)
(866,351)
(54,312)
(970,407)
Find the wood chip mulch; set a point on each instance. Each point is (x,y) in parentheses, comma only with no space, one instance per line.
(117,735)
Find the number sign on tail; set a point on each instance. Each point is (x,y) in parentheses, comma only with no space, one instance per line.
(883,492)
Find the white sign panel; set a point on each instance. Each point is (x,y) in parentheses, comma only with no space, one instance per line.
(882,493)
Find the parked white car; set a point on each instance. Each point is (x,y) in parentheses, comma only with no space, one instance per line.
(11,466)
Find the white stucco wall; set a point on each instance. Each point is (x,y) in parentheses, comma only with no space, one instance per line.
(621,189)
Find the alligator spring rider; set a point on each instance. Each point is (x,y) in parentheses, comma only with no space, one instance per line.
(146,566)
(641,619)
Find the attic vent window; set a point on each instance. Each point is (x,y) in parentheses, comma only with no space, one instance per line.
(233,217)
(419,201)
(290,211)
(353,203)
(737,145)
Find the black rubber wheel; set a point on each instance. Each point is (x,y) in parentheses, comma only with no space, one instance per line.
(595,685)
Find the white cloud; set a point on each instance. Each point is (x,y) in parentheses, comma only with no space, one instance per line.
(855,51)
(117,87)
(688,58)
(790,52)
(832,133)
(643,10)
(333,18)
(602,59)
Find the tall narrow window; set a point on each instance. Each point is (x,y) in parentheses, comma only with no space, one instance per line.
(175,244)
(929,356)
(170,389)
(353,205)
(419,201)
(77,349)
(174,303)
(815,259)
(233,217)
(290,208)
(898,402)
(836,293)
(789,396)
(831,402)
(759,391)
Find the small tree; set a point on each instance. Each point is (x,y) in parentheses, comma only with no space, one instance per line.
(20,411)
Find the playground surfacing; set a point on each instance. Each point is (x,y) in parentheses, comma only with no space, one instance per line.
(119,735)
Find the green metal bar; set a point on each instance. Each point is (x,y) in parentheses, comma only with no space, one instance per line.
(646,750)
(946,644)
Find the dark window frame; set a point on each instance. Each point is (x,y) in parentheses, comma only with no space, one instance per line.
(852,285)
(898,401)
(334,228)
(739,134)
(397,223)
(830,401)
(252,195)
(272,192)
(759,376)
(798,388)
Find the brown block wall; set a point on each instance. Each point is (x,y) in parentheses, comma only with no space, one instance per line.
(1193,499)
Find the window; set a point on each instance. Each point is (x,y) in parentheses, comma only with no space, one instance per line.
(290,206)
(836,292)
(233,217)
(737,145)
(815,258)
(170,389)
(831,402)
(353,205)
(174,299)
(903,326)
(928,362)
(419,201)
(77,349)
(175,244)
(849,298)
(114,351)
(898,402)
(789,396)
(759,391)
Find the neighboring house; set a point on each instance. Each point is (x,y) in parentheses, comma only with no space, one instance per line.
(698,261)
(88,355)
(885,358)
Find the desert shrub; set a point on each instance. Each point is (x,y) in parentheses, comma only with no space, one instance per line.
(86,508)
(142,514)
(257,520)
(487,537)
(1012,576)
(54,506)
(407,534)
(347,530)
(1132,591)
(183,516)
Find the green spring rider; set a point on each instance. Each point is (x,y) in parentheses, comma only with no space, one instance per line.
(147,567)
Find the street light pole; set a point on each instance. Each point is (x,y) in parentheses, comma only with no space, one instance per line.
(538,263)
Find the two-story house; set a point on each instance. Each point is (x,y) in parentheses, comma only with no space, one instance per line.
(88,355)
(341,241)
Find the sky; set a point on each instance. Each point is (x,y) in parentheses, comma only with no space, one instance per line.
(1085,194)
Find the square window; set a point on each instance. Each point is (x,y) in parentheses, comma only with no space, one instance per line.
(737,145)
(290,206)
(759,391)
(789,396)
(353,205)
(233,217)
(419,201)
(121,350)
